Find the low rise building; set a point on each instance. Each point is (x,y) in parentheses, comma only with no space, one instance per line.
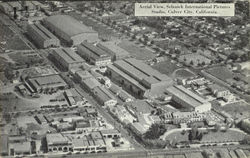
(110,133)
(42,37)
(56,142)
(189,99)
(93,54)
(41,83)
(218,91)
(67,58)
(21,148)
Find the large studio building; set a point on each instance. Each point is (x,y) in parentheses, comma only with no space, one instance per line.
(138,78)
(188,99)
(70,29)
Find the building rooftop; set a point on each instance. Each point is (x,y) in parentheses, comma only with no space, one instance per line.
(4,143)
(216,87)
(93,50)
(91,83)
(49,80)
(21,147)
(103,93)
(112,48)
(68,25)
(68,55)
(56,138)
(141,106)
(126,76)
(140,71)
(96,135)
(187,95)
(80,142)
(110,131)
(42,31)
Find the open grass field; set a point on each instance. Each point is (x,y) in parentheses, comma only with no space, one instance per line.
(210,137)
(182,73)
(136,51)
(28,59)
(166,67)
(221,73)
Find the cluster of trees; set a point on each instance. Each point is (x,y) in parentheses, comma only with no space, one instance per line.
(195,134)
(151,137)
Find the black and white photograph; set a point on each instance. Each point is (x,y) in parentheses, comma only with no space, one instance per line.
(125,79)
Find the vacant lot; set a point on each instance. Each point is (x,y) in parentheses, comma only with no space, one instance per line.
(166,67)
(9,40)
(26,59)
(11,102)
(136,51)
(221,73)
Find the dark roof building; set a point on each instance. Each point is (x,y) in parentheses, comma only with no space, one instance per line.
(70,29)
(42,37)
(93,54)
(67,58)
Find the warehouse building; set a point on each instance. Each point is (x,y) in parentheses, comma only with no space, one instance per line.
(104,97)
(70,29)
(93,54)
(113,50)
(67,58)
(188,99)
(138,78)
(42,37)
(38,84)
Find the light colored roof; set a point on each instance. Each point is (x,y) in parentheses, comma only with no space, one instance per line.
(186,95)
(21,147)
(77,143)
(96,135)
(217,87)
(68,55)
(4,143)
(49,80)
(56,138)
(68,25)
(91,82)
(141,106)
(110,131)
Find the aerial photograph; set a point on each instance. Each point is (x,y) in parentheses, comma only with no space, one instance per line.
(89,79)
